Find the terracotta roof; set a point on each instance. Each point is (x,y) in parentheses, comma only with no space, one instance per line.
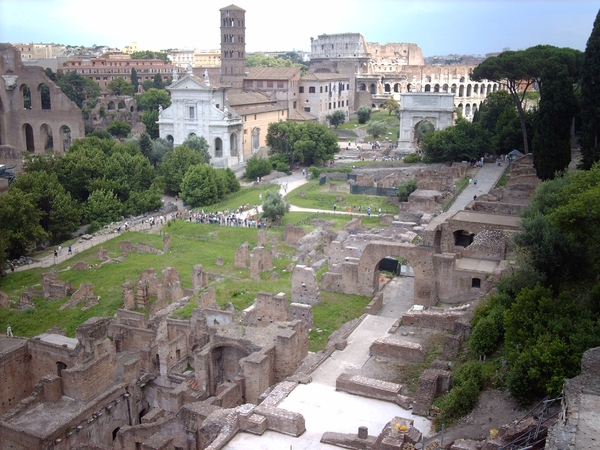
(324,77)
(247,98)
(302,116)
(257,109)
(271,73)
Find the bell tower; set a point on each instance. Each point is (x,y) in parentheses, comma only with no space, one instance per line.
(233,46)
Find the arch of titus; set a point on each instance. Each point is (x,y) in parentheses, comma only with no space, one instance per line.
(417,107)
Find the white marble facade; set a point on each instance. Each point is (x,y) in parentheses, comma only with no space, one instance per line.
(201,110)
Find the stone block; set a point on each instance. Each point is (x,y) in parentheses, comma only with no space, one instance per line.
(208,298)
(300,311)
(4,300)
(219,261)
(261,239)
(394,348)
(199,278)
(102,254)
(128,295)
(367,387)
(25,302)
(292,234)
(242,256)
(81,265)
(305,288)
(261,260)
(166,243)
(169,276)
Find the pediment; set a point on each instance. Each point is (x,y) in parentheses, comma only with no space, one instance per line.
(188,82)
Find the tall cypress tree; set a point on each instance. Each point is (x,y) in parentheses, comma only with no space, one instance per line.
(552,138)
(134,79)
(590,99)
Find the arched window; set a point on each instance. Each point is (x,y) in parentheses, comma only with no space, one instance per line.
(26,95)
(46,134)
(111,105)
(44,91)
(461,91)
(468,90)
(233,144)
(387,88)
(372,89)
(218,148)
(28,137)
(476,89)
(427,88)
(436,88)
(445,88)
(60,366)
(461,108)
(121,105)
(65,133)
(170,138)
(397,87)
(255,138)
(468,109)
(363,87)
(453,89)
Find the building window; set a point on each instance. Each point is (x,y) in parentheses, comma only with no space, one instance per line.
(301,89)
(259,83)
(255,138)
(191,112)
(329,105)
(294,105)
(269,84)
(307,108)
(280,84)
(311,90)
(321,89)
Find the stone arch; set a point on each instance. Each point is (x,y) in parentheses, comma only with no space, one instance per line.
(111,105)
(170,138)
(47,138)
(121,105)
(65,136)
(112,430)
(397,87)
(218,148)
(387,88)
(363,87)
(474,108)
(419,126)
(233,144)
(419,258)
(495,87)
(436,88)
(445,87)
(463,238)
(372,88)
(60,366)
(461,108)
(427,88)
(25,96)
(44,92)
(475,89)
(468,90)
(461,91)
(453,89)
(28,137)
(489,89)
(131,109)
(468,109)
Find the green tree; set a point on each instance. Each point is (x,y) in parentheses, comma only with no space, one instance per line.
(103,207)
(257,167)
(198,144)
(364,114)
(119,129)
(19,222)
(391,105)
(552,140)
(145,144)
(309,143)
(147,54)
(464,141)
(274,206)
(520,70)
(78,88)
(135,81)
(337,118)
(377,128)
(153,98)
(160,147)
(150,119)
(60,215)
(157,82)
(147,85)
(590,99)
(175,164)
(199,186)
(423,128)
(405,189)
(119,86)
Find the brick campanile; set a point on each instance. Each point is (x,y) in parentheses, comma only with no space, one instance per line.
(233,46)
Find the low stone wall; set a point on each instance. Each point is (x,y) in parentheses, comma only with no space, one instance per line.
(367,387)
(282,421)
(393,348)
(437,319)
(375,305)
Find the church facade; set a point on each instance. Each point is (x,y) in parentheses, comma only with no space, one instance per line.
(197,109)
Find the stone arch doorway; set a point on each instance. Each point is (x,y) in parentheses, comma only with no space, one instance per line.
(218,148)
(417,257)
(422,128)
(60,366)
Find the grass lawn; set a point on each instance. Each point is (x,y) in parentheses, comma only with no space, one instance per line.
(191,244)
(319,197)
(245,196)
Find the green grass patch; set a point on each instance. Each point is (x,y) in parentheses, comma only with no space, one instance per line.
(191,244)
(335,310)
(245,196)
(319,197)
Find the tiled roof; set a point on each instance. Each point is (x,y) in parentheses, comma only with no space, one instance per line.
(324,77)
(302,116)
(271,73)
(247,98)
(257,109)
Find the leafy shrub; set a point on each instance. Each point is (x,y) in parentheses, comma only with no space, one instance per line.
(488,333)
(257,167)
(412,158)
(405,189)
(364,114)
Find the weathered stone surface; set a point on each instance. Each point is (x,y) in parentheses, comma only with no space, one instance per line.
(208,298)
(292,234)
(398,349)
(4,300)
(300,311)
(85,294)
(219,261)
(166,243)
(81,265)
(275,276)
(261,239)
(169,276)
(367,387)
(242,256)
(261,260)
(128,295)
(347,440)
(102,254)
(305,288)
(199,278)
(25,302)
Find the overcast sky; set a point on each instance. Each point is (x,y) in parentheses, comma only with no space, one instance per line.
(438,27)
